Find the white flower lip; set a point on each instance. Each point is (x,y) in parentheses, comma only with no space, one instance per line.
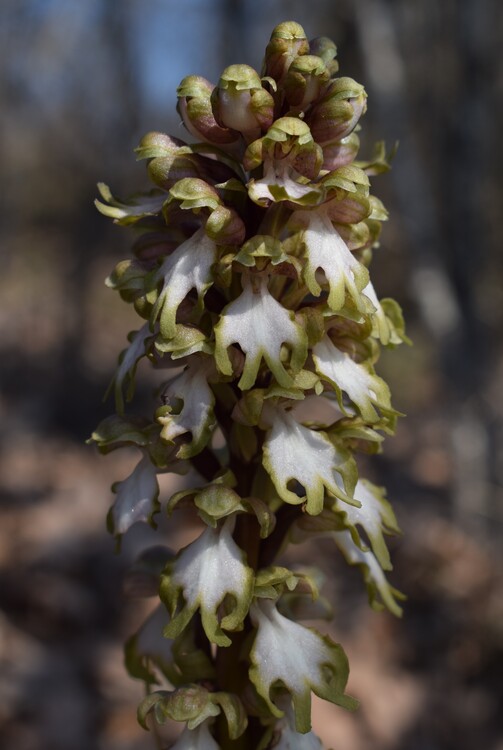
(326,249)
(289,738)
(365,389)
(196,415)
(292,451)
(314,664)
(136,497)
(372,571)
(381,324)
(196,739)
(261,326)
(128,362)
(375,515)
(280,184)
(188,267)
(206,572)
(150,641)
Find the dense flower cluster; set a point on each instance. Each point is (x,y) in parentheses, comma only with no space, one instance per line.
(250,274)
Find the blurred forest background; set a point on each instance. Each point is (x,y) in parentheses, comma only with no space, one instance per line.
(80,82)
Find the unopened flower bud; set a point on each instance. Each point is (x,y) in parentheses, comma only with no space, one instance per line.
(325,48)
(288,41)
(306,79)
(171,159)
(336,115)
(155,144)
(240,103)
(290,142)
(339,153)
(288,153)
(194,107)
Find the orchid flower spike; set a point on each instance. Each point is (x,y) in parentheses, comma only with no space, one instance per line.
(262,326)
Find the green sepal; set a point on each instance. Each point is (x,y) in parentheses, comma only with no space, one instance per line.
(193,193)
(131,210)
(349,178)
(261,246)
(357,435)
(272,581)
(263,513)
(187,340)
(214,502)
(248,409)
(377,209)
(336,114)
(380,161)
(155,144)
(356,236)
(116,431)
(133,282)
(243,441)
(234,712)
(191,704)
(239,102)
(304,380)
(394,317)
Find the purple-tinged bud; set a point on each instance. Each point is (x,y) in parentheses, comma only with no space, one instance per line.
(288,141)
(223,224)
(305,82)
(336,115)
(289,156)
(325,48)
(155,144)
(241,103)
(288,41)
(339,153)
(171,159)
(194,107)
(356,236)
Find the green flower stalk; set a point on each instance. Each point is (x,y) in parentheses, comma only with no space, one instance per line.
(250,274)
